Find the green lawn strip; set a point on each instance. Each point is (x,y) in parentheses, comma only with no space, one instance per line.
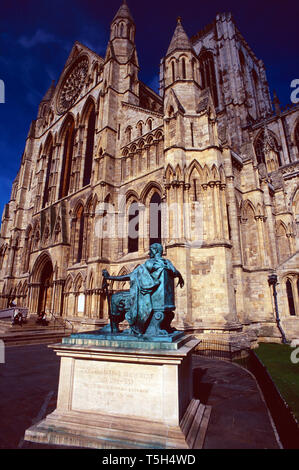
(285,374)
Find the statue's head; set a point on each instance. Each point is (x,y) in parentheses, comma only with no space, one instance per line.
(155,248)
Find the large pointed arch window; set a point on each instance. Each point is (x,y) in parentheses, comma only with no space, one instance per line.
(89,145)
(78,234)
(266,150)
(208,75)
(133,227)
(49,154)
(68,147)
(155,219)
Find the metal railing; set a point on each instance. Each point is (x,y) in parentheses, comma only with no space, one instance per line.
(219,350)
(285,422)
(60,322)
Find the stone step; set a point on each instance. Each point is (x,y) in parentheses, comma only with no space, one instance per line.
(36,337)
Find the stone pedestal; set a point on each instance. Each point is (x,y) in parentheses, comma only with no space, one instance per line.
(124,398)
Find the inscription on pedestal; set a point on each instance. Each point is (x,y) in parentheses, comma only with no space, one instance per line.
(121,389)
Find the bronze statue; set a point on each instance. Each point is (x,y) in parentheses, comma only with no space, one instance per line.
(148,306)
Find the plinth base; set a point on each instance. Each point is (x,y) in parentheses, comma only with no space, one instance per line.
(106,432)
(112,398)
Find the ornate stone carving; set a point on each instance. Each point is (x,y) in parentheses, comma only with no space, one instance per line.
(72,85)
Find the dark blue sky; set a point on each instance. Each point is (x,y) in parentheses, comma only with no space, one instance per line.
(36,37)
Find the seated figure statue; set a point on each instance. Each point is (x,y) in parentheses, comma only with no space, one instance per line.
(148,306)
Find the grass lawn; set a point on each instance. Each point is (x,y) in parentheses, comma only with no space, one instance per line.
(285,374)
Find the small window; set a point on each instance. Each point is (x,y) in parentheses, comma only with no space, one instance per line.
(155,219)
(140,130)
(173,71)
(133,227)
(290,297)
(183,68)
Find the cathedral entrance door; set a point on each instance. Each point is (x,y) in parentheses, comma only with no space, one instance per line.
(46,287)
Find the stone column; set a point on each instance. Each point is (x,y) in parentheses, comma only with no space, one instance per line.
(261,247)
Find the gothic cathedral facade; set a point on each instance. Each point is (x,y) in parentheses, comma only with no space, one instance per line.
(206,167)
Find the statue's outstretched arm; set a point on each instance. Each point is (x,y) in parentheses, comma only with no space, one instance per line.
(181,280)
(176,273)
(106,275)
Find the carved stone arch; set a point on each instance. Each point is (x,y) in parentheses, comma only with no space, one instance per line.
(89,103)
(133,148)
(246,206)
(283,244)
(169,174)
(183,60)
(79,282)
(281,228)
(47,230)
(265,138)
(63,128)
(146,194)
(178,173)
(89,204)
(132,195)
(95,202)
(36,233)
(123,271)
(206,174)
(48,142)
(141,143)
(90,280)
(79,203)
(215,173)
(171,105)
(149,139)
(159,135)
(171,65)
(132,221)
(140,127)
(149,123)
(69,284)
(95,72)
(128,134)
(195,166)
(222,175)
(39,264)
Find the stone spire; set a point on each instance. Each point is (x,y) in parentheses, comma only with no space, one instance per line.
(124,12)
(276,103)
(179,39)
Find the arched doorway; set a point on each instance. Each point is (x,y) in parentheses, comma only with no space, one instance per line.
(46,286)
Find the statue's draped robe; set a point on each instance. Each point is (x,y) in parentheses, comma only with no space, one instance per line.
(145,281)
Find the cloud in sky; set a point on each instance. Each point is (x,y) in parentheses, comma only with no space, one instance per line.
(39,37)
